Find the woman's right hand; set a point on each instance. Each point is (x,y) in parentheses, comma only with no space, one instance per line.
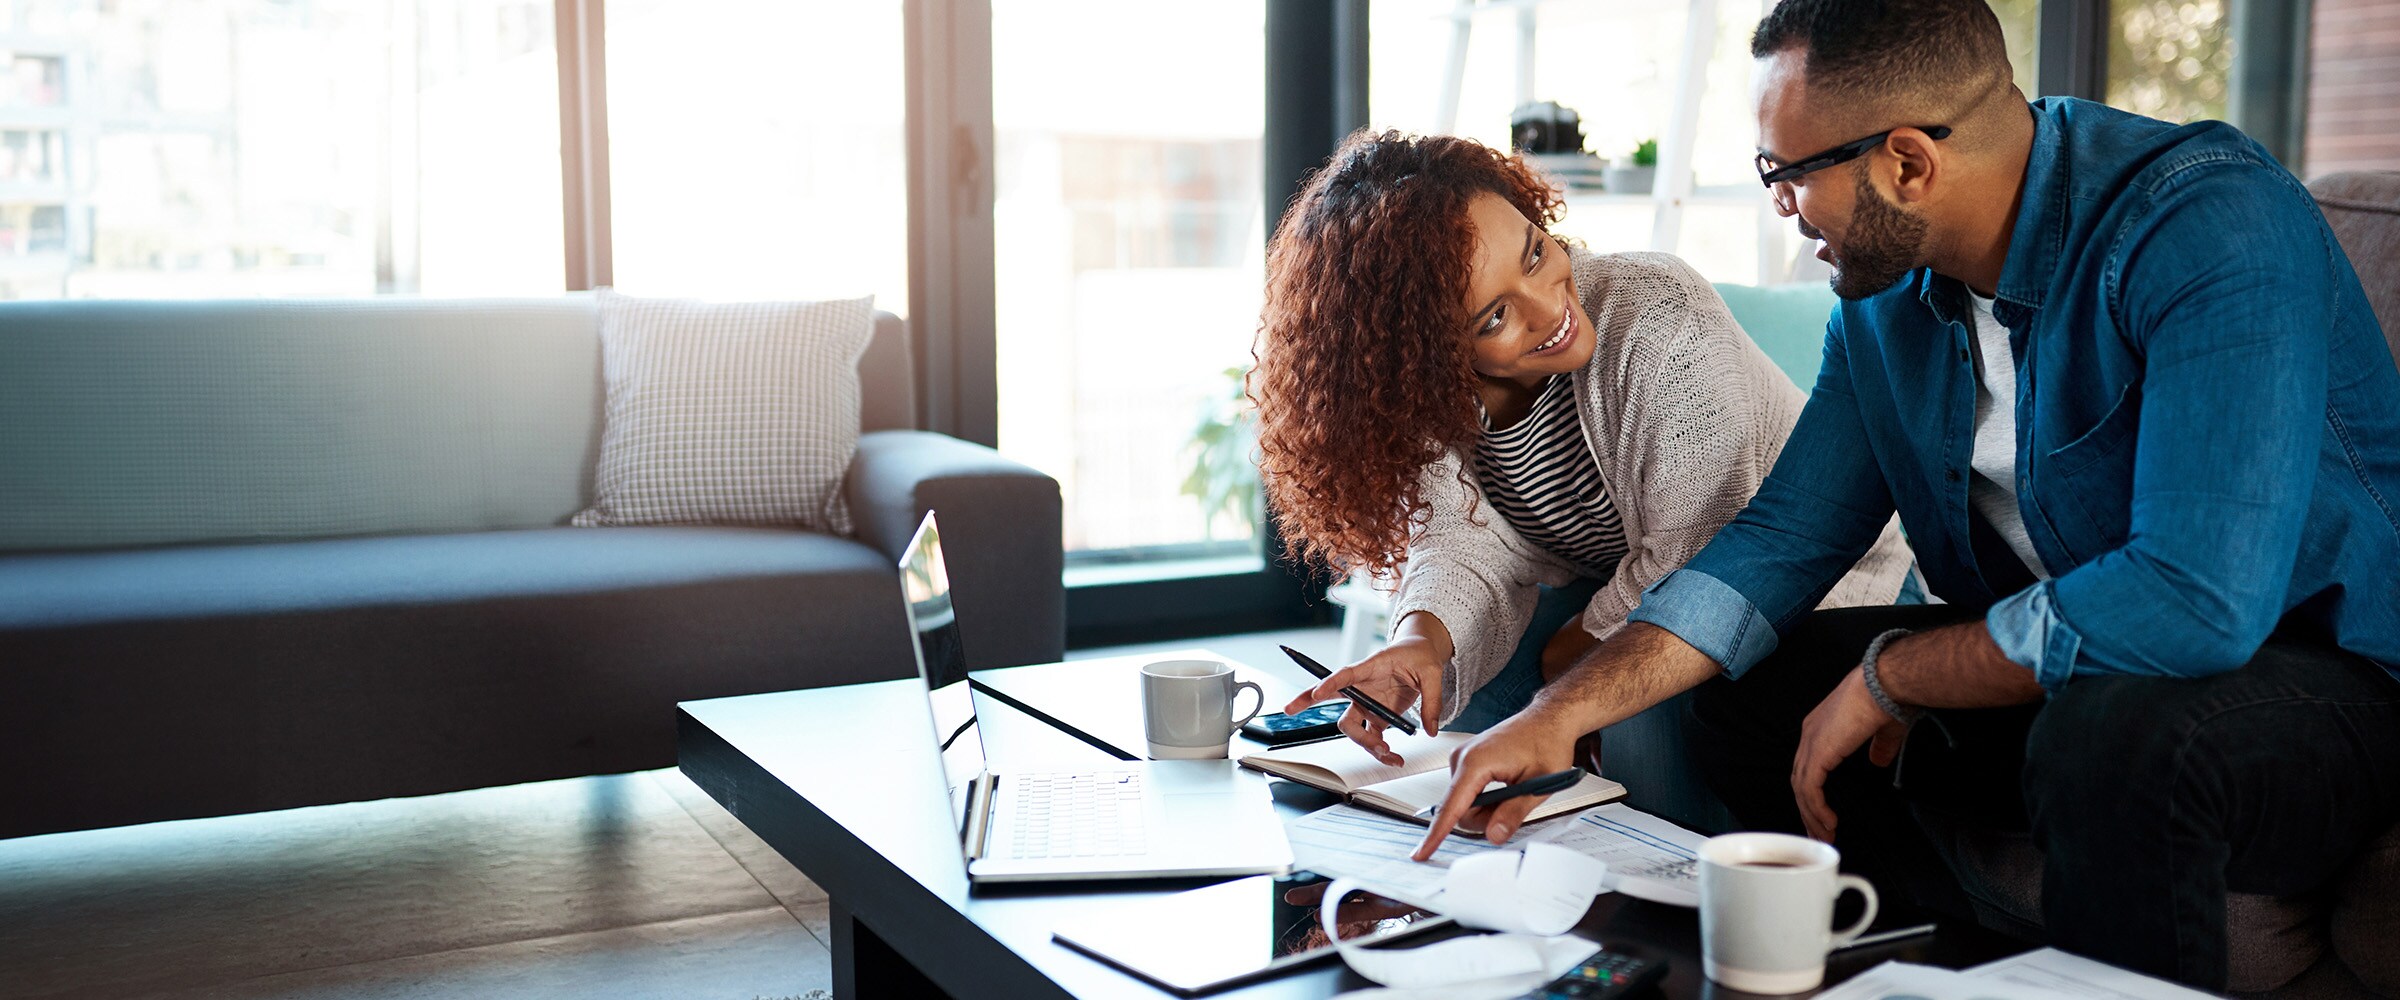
(1406,672)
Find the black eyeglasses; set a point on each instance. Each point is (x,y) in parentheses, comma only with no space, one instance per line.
(1771,175)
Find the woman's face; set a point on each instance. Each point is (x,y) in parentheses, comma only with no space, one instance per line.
(1524,321)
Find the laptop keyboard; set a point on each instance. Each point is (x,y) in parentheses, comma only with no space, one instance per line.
(1069,814)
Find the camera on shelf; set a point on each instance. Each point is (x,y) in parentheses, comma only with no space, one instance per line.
(1545,127)
(1550,137)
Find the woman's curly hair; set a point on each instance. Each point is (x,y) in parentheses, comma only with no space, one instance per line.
(1363,378)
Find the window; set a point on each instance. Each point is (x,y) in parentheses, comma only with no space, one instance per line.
(1130,263)
(2169,59)
(32,156)
(756,149)
(2021,24)
(34,193)
(242,147)
(1618,65)
(32,80)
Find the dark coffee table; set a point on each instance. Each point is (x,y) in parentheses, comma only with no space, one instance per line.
(843,783)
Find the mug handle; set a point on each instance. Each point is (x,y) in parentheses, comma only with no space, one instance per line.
(1261,706)
(1843,937)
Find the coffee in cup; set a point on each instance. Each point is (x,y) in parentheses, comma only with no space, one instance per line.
(1766,910)
(1187,708)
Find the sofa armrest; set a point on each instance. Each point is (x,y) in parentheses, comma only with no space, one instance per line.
(1001,536)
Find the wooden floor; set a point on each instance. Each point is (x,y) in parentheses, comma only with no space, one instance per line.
(629,885)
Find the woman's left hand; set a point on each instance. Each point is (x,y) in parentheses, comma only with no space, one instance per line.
(1401,674)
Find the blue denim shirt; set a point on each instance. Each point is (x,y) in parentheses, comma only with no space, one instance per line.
(2208,427)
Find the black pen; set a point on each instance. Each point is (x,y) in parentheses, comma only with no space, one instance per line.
(1373,707)
(1555,782)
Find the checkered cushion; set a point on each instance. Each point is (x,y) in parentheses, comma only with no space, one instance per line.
(736,413)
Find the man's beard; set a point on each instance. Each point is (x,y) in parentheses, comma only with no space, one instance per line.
(1884,244)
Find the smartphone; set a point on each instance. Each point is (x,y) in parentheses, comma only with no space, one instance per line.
(1315,722)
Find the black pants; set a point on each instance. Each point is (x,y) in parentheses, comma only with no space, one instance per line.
(2150,798)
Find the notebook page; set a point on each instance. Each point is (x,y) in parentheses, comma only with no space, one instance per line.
(1418,794)
(1354,768)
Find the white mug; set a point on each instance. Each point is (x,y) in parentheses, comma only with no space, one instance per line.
(1187,708)
(1766,910)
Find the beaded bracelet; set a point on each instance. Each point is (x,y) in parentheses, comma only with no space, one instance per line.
(1866,666)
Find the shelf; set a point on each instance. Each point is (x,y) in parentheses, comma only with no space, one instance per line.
(1728,194)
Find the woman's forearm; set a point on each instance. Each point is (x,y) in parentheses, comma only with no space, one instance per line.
(1422,625)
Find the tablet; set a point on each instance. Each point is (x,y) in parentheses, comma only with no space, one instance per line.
(1206,939)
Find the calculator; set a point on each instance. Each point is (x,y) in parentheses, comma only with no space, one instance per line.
(1604,976)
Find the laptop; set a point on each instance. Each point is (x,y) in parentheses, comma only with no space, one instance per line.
(1121,820)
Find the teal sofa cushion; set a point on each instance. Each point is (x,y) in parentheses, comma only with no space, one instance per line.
(1787,321)
(131,423)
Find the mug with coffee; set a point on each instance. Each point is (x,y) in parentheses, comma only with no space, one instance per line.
(1766,910)
(1187,708)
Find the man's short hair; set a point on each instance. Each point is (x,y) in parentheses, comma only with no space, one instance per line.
(1889,51)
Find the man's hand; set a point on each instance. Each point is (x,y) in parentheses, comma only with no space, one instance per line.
(1401,674)
(1847,719)
(1521,748)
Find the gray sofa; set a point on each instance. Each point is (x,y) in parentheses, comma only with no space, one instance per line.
(256,555)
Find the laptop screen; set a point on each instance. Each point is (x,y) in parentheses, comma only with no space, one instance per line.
(942,662)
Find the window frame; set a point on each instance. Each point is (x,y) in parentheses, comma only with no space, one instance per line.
(2266,97)
(1316,92)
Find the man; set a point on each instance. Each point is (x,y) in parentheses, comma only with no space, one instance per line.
(2130,402)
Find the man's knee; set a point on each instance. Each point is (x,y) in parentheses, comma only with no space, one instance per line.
(2099,745)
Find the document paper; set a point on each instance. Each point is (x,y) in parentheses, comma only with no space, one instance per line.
(2046,974)
(1345,841)
(1648,857)
(2062,974)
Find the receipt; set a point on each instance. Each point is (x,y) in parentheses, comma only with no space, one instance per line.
(1531,898)
(1541,891)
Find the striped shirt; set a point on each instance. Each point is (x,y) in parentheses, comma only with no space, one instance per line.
(1540,475)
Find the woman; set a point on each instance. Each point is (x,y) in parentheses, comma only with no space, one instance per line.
(1522,433)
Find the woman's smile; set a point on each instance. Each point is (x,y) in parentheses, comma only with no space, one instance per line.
(1563,337)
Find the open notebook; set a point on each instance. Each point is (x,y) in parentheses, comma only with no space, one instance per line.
(1414,789)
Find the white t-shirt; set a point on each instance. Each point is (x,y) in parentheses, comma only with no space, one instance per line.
(1993,489)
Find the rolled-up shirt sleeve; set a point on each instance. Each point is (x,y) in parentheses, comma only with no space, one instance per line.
(2030,631)
(1715,618)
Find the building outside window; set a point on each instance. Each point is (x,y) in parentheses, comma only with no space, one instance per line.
(177,148)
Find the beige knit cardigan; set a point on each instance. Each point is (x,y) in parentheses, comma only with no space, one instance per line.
(1684,415)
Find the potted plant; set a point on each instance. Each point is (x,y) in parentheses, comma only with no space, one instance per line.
(1224,455)
(1638,171)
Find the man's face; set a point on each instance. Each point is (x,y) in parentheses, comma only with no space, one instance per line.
(1870,242)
